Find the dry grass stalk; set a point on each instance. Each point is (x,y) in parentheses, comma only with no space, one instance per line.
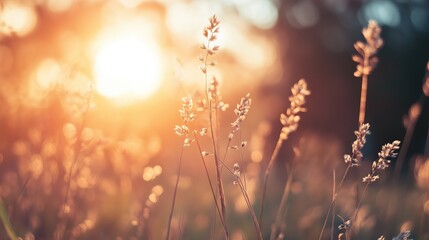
(187,115)
(241,111)
(367,60)
(239,182)
(387,152)
(426,93)
(204,154)
(334,191)
(351,161)
(86,99)
(289,120)
(276,228)
(410,123)
(4,218)
(210,33)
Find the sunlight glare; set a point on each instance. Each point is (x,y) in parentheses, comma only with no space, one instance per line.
(127,67)
(17,18)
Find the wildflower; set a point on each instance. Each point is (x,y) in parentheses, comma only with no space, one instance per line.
(290,118)
(357,146)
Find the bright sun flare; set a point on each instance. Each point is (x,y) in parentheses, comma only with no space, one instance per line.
(128,67)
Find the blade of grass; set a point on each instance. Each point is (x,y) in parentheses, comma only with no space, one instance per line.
(267,172)
(252,212)
(211,185)
(281,212)
(4,216)
(173,204)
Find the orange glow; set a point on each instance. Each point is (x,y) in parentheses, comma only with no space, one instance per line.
(17,18)
(48,72)
(59,5)
(127,66)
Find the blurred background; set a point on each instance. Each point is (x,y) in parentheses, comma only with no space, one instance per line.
(90,92)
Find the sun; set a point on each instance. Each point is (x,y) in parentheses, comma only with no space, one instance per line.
(127,66)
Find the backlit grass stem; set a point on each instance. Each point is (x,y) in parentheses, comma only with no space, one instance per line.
(289,120)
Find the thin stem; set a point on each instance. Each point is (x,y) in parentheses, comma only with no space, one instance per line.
(4,219)
(267,172)
(333,204)
(357,209)
(407,140)
(225,153)
(24,186)
(363,93)
(281,211)
(333,200)
(76,151)
(173,204)
(18,198)
(213,138)
(181,225)
(77,146)
(210,183)
(326,219)
(75,159)
(242,159)
(252,212)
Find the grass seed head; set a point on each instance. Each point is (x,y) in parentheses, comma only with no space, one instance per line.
(366,58)
(290,118)
(357,146)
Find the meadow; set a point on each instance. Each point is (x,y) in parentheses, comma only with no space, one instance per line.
(89,152)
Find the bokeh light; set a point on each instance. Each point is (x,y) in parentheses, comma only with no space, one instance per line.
(48,73)
(419,18)
(384,12)
(303,14)
(90,93)
(17,18)
(263,14)
(59,5)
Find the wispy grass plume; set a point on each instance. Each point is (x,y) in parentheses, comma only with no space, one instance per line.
(352,160)
(187,115)
(289,120)
(367,60)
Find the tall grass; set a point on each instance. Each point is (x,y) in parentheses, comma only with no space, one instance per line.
(93,162)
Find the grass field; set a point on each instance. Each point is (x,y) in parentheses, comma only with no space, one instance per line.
(168,125)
